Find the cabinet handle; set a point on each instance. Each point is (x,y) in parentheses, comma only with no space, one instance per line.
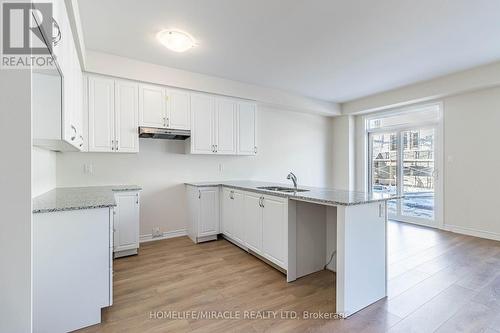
(216,148)
(164,122)
(112,144)
(56,39)
(255,150)
(137,198)
(231,195)
(74,130)
(116,145)
(262,202)
(199,194)
(168,122)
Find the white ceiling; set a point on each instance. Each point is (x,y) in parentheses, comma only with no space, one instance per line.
(334,50)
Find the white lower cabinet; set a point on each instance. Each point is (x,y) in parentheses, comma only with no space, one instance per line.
(72,268)
(257,222)
(126,223)
(203,219)
(252,216)
(275,229)
(232,221)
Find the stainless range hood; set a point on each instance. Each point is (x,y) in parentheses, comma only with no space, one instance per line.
(163,133)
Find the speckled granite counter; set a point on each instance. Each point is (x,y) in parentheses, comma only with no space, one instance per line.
(314,194)
(74,198)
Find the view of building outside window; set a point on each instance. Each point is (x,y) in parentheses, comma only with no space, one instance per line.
(418,173)
(384,166)
(417,166)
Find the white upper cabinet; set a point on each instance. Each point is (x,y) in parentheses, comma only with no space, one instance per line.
(152,106)
(202,124)
(113,115)
(126,116)
(101,105)
(225,126)
(178,109)
(59,125)
(247,128)
(214,127)
(218,125)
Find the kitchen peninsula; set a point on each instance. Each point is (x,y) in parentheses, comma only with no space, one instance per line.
(300,231)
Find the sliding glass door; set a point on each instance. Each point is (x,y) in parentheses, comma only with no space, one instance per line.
(402,160)
(384,166)
(418,175)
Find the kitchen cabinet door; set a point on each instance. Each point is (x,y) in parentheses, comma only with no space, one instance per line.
(238,220)
(152,106)
(225,126)
(126,221)
(253,222)
(274,230)
(78,102)
(208,222)
(247,129)
(178,109)
(227,212)
(202,124)
(101,105)
(126,116)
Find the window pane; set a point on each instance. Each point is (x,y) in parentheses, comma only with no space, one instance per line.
(429,113)
(383,159)
(418,174)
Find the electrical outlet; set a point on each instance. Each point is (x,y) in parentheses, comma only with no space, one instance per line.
(156,232)
(88,169)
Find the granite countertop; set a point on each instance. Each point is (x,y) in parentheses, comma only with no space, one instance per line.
(314,194)
(74,198)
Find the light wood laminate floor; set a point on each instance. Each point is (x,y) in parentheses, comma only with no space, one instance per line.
(438,282)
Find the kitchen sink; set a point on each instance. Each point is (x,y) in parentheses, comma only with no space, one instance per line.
(281,189)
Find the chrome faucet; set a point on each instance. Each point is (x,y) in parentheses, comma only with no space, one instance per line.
(291,176)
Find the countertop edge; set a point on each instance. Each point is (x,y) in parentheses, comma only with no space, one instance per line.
(65,209)
(289,196)
(56,203)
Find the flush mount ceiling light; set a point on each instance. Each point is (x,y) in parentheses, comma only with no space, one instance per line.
(176,40)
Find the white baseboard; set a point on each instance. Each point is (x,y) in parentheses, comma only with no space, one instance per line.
(165,235)
(472,232)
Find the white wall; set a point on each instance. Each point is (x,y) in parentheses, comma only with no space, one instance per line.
(288,141)
(471,162)
(15,201)
(343,172)
(108,64)
(477,78)
(44,171)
